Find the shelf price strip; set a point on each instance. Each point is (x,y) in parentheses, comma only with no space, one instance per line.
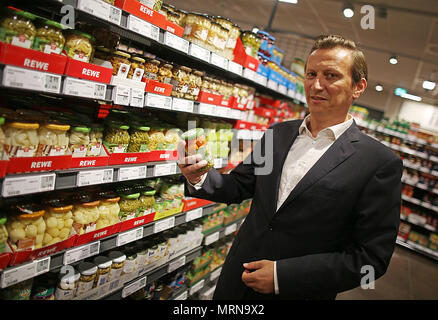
(199,52)
(176,264)
(133,287)
(194,214)
(165,169)
(164,224)
(24,272)
(129,236)
(212,238)
(30,79)
(80,253)
(92,177)
(198,286)
(28,184)
(132,173)
(143,28)
(84,88)
(176,42)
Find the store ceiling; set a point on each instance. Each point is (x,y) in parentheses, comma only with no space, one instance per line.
(410,30)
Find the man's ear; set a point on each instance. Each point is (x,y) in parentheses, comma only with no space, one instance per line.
(359,88)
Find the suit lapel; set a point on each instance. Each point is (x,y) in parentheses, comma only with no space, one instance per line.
(341,150)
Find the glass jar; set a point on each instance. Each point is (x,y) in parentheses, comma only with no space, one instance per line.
(3,233)
(142,252)
(139,139)
(118,259)
(153,4)
(58,220)
(137,68)
(26,226)
(215,86)
(21,139)
(251,42)
(157,140)
(131,263)
(88,273)
(147,200)
(207,84)
(182,17)
(221,41)
(17,28)
(2,137)
(121,64)
(165,73)
(102,53)
(79,140)
(130,205)
(67,285)
(171,136)
(103,269)
(180,81)
(173,17)
(264,42)
(196,143)
(233,35)
(109,209)
(162,250)
(53,139)
(160,205)
(195,83)
(85,213)
(213,34)
(49,38)
(116,138)
(151,69)
(79,45)
(96,140)
(197,28)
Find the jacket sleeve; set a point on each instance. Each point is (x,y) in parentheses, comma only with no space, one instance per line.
(377,218)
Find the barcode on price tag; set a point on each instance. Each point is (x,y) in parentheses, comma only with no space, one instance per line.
(142,27)
(158,101)
(101,10)
(176,264)
(211,238)
(122,95)
(137,98)
(92,177)
(80,253)
(28,184)
(42,265)
(164,224)
(133,287)
(30,79)
(199,52)
(197,286)
(18,274)
(176,42)
(182,105)
(215,274)
(194,214)
(132,173)
(235,68)
(53,83)
(260,79)
(165,169)
(230,229)
(129,236)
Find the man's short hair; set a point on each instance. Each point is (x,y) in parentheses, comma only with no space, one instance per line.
(359,68)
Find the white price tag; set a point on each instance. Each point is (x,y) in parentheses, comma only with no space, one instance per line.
(122,95)
(282,89)
(132,173)
(101,10)
(92,177)
(260,79)
(199,52)
(212,238)
(164,224)
(182,105)
(30,79)
(272,84)
(80,253)
(182,296)
(291,93)
(133,287)
(244,134)
(236,114)
(235,68)
(222,112)
(230,229)
(207,109)
(84,88)
(12,276)
(433,158)
(143,28)
(129,236)
(217,163)
(194,214)
(218,61)
(249,74)
(198,286)
(215,274)
(165,169)
(416,201)
(28,184)
(158,101)
(176,42)
(137,98)
(175,264)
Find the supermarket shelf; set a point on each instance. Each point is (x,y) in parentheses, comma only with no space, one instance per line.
(420,203)
(205,283)
(216,234)
(417,248)
(418,185)
(415,220)
(109,243)
(408,164)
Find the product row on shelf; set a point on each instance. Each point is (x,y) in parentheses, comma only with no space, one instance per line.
(418,240)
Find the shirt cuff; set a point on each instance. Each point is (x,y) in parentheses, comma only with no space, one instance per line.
(276,279)
(198,186)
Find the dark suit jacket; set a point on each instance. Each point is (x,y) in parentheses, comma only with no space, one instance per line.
(343,215)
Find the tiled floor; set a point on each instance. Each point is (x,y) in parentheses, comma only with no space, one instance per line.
(410,276)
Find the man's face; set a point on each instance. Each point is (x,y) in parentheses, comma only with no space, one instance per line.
(329,84)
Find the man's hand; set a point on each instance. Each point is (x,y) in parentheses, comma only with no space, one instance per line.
(189,165)
(261,279)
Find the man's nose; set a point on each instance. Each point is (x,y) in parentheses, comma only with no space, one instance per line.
(317,84)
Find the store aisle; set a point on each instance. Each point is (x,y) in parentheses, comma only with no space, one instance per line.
(409,277)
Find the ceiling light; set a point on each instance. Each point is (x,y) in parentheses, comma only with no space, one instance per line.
(289,1)
(379,88)
(393,60)
(411,97)
(348,10)
(429,85)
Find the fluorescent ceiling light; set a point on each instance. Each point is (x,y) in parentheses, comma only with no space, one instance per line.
(429,85)
(379,88)
(393,60)
(289,1)
(348,12)
(411,97)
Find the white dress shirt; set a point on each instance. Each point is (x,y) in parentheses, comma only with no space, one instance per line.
(303,154)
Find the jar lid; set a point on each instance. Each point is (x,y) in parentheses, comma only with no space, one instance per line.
(116,124)
(3,220)
(82,129)
(123,54)
(2,121)
(68,278)
(24,14)
(263,33)
(223,18)
(186,69)
(142,128)
(29,210)
(59,127)
(102,262)
(24,125)
(117,256)
(107,194)
(103,49)
(97,127)
(131,196)
(167,66)
(149,191)
(192,134)
(84,198)
(53,24)
(57,203)
(139,59)
(153,61)
(199,73)
(85,35)
(87,268)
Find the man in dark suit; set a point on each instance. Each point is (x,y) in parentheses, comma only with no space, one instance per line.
(328,212)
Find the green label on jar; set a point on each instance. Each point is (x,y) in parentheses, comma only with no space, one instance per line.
(115,148)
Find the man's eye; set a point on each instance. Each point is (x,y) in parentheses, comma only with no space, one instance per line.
(331,75)
(310,74)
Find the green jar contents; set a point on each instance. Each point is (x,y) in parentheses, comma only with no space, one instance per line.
(3,233)
(116,138)
(79,140)
(49,37)
(157,140)
(196,143)
(17,28)
(251,42)
(139,139)
(147,200)
(130,204)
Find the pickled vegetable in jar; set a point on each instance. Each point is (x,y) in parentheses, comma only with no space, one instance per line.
(233,35)
(2,138)
(79,45)
(53,139)
(196,143)
(109,210)
(139,139)
(207,84)
(221,40)
(88,272)
(58,220)
(130,205)
(173,17)
(151,69)
(195,83)
(118,259)
(18,28)
(137,68)
(180,81)
(157,140)
(172,138)
(182,16)
(103,270)
(21,138)
(165,73)
(121,64)
(131,263)
(26,226)
(153,4)
(85,213)
(116,138)
(147,200)
(160,205)
(197,28)
(49,38)
(213,35)
(96,140)
(3,233)
(79,140)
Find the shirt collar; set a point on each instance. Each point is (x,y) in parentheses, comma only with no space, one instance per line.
(334,131)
